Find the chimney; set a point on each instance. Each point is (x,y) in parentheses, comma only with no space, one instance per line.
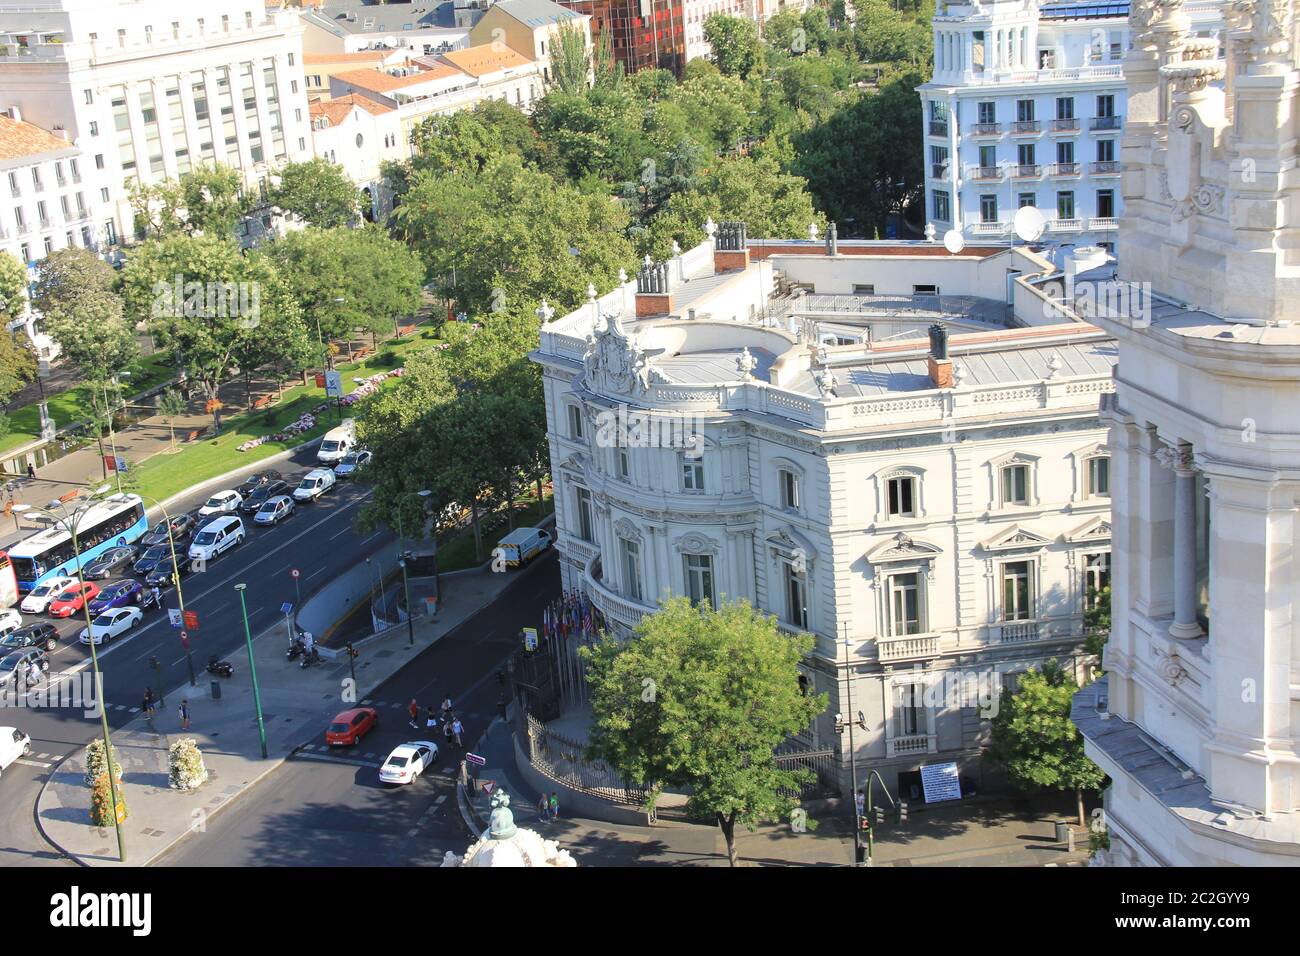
(15,114)
(940,365)
(731,247)
(653,289)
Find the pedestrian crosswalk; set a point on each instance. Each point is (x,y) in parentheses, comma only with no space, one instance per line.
(42,760)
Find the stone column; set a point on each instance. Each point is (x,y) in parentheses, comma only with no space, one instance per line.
(1185,625)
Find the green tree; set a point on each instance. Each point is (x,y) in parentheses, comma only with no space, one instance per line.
(94,337)
(66,275)
(736,47)
(209,201)
(318,193)
(702,698)
(17,363)
(571,62)
(172,405)
(13,286)
(1034,738)
(1096,621)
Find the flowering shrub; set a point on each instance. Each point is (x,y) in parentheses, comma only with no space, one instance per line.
(308,421)
(305,423)
(185,770)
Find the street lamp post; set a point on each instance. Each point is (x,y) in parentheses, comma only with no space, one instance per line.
(252,668)
(176,579)
(69,524)
(406,585)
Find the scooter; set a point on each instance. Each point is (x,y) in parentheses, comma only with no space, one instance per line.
(219,667)
(295,649)
(310,657)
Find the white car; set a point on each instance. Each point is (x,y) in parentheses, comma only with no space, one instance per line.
(223,502)
(274,510)
(111,624)
(10,621)
(408,761)
(38,598)
(13,744)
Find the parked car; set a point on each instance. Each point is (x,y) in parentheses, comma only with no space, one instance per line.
(10,620)
(256,480)
(216,537)
(352,463)
(41,634)
(111,624)
(522,545)
(13,744)
(166,573)
(111,560)
(151,558)
(274,510)
(121,594)
(351,725)
(261,494)
(38,598)
(408,761)
(16,664)
(70,601)
(316,483)
(182,527)
(223,502)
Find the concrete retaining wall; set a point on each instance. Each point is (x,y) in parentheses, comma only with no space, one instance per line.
(332,602)
(576,802)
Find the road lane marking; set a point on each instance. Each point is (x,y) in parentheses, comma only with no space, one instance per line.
(33,763)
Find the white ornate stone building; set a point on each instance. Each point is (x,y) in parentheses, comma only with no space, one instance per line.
(1026,107)
(768,420)
(1198,719)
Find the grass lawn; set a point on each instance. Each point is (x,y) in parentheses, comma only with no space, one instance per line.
(167,474)
(74,404)
(458,553)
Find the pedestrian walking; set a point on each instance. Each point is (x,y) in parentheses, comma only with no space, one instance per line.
(446,731)
(430,721)
(543,808)
(31,470)
(157,596)
(185,715)
(553,805)
(414,711)
(446,708)
(146,704)
(457,728)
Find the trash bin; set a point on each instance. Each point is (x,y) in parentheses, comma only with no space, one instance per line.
(1062,831)
(216,690)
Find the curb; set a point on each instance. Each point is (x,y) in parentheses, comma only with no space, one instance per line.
(226,476)
(36,815)
(487,565)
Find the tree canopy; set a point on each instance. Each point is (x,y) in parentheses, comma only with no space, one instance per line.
(318,193)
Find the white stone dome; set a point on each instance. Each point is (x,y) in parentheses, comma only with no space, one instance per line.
(504,844)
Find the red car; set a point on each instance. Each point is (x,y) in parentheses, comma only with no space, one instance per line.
(351,725)
(70,600)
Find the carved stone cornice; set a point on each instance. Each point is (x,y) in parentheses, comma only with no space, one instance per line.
(1181,459)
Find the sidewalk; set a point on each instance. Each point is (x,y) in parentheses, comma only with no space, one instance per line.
(1005,832)
(296,706)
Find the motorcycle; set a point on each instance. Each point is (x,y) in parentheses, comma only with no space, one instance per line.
(295,649)
(309,658)
(220,668)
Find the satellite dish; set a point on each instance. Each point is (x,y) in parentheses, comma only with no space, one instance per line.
(953,241)
(390,42)
(1029,223)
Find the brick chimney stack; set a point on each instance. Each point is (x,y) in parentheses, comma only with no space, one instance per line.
(939,364)
(730,247)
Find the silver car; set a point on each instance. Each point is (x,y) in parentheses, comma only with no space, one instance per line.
(352,463)
(274,510)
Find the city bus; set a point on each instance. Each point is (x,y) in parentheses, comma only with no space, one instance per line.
(110,523)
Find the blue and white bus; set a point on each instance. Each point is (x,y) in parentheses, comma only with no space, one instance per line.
(106,524)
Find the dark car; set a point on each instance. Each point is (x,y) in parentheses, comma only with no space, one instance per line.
(114,559)
(257,480)
(161,576)
(14,667)
(254,500)
(151,558)
(42,634)
(121,594)
(182,527)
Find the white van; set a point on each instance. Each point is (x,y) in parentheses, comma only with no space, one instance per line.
(314,484)
(522,545)
(337,442)
(216,537)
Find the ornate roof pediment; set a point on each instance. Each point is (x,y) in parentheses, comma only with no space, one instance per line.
(1015,538)
(614,364)
(902,547)
(789,542)
(1095,529)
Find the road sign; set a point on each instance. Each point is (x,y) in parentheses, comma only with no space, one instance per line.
(192,620)
(185,640)
(174,617)
(121,465)
(294,572)
(286,608)
(334,384)
(476,760)
(489,786)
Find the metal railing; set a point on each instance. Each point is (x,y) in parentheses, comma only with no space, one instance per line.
(1105,122)
(938,127)
(1027,171)
(1105,168)
(986,129)
(1026,126)
(824,764)
(1066,125)
(1065,169)
(986,173)
(563,759)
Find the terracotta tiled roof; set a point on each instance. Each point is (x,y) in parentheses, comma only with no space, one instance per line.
(378,81)
(481,59)
(18,139)
(337,110)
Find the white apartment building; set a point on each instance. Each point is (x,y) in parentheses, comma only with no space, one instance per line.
(52,202)
(1197,721)
(1026,107)
(935,518)
(149,89)
(350,26)
(360,135)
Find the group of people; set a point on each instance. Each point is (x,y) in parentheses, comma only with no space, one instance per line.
(452,728)
(548,808)
(148,705)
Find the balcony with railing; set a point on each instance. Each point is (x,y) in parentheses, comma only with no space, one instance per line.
(912,647)
(989,228)
(1026,128)
(1026,171)
(1105,122)
(1065,225)
(911,744)
(938,127)
(1017,632)
(986,129)
(1066,169)
(938,170)
(1108,168)
(1066,125)
(1103,223)
(615,607)
(986,174)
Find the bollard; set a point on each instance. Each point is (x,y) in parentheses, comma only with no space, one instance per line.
(1062,831)
(216,690)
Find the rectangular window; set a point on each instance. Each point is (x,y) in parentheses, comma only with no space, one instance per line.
(1026,154)
(902,497)
(789,489)
(692,475)
(988,157)
(1096,578)
(14,188)
(988,112)
(586,528)
(796,598)
(1017,591)
(1015,485)
(909,710)
(1106,105)
(1065,205)
(1065,152)
(1024,111)
(575,422)
(699,578)
(942,206)
(1099,477)
(624,464)
(905,604)
(1026,199)
(1065,107)
(988,208)
(1106,203)
(631,551)
(1105,151)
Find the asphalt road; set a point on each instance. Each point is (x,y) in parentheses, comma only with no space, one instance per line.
(318,540)
(327,808)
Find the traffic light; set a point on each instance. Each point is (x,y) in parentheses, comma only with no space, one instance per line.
(880,815)
(902,811)
(353,652)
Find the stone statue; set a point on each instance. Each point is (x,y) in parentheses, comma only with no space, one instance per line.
(745,365)
(501,824)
